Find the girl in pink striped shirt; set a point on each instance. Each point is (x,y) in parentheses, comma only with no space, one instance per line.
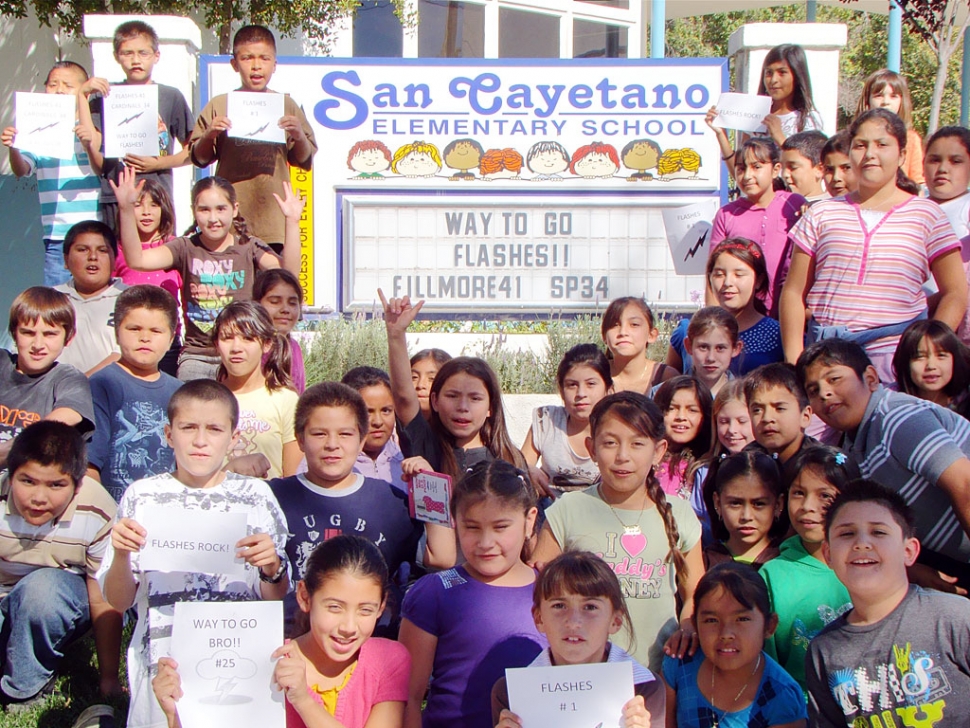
(860,260)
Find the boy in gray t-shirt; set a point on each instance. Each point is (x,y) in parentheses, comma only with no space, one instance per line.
(901,656)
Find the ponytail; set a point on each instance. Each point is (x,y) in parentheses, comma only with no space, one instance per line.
(674,556)
(905,183)
(278,363)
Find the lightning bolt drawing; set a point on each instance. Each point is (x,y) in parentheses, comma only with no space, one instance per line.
(697,246)
(43,128)
(224,686)
(257,131)
(130,118)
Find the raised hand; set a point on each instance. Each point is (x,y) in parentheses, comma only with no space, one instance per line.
(291,204)
(398,312)
(128,189)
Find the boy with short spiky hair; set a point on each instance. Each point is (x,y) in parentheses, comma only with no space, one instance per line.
(55,525)
(901,655)
(256,169)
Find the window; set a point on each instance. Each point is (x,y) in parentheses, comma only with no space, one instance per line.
(450,29)
(598,40)
(624,4)
(377,31)
(523,34)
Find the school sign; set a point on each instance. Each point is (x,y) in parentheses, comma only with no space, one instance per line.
(519,186)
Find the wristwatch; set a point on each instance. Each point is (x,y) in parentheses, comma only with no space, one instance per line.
(278,576)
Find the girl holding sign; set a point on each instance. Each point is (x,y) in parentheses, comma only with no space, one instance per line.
(651,540)
(577,603)
(464,626)
(730,681)
(335,673)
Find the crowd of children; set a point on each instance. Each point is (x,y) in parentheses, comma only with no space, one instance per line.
(670,514)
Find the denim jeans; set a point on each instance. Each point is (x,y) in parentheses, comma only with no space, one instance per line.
(54,271)
(40,616)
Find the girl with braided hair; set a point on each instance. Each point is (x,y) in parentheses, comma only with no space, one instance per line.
(651,540)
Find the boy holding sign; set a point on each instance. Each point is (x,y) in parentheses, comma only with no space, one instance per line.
(255,168)
(68,187)
(203,416)
(136,51)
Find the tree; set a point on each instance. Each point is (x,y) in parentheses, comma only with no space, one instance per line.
(316,18)
(937,23)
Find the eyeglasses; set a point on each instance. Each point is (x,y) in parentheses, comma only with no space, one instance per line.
(131,54)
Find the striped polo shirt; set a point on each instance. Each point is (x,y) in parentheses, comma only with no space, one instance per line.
(76,541)
(68,189)
(867,277)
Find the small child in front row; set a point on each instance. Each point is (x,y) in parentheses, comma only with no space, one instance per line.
(805,593)
(464,626)
(747,502)
(578,605)
(131,395)
(801,164)
(730,681)
(335,673)
(901,650)
(54,529)
(779,410)
(381,456)
(203,416)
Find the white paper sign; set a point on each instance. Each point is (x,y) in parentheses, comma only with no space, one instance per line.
(744,112)
(570,696)
(223,651)
(131,121)
(256,116)
(689,235)
(45,124)
(202,542)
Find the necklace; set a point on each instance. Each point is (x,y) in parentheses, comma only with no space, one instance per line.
(633,530)
(717,720)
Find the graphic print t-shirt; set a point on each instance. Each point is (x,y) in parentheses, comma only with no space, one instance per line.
(211,281)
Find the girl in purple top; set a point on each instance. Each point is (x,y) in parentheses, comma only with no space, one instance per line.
(464,626)
(763,215)
(279,292)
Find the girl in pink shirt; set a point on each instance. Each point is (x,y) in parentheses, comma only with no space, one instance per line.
(763,215)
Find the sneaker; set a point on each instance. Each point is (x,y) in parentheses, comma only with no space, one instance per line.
(96,716)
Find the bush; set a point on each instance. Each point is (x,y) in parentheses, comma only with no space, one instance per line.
(342,344)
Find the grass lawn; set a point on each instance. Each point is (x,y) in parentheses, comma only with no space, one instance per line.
(76,689)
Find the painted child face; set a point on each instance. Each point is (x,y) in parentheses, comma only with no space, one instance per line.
(733,425)
(840,178)
(683,418)
(331,442)
(756,178)
(343,613)
(91,262)
(549,163)
(41,493)
(777,419)
(418,164)
(946,168)
(255,64)
(491,534)
(886,98)
(38,345)
(596,164)
(623,455)
(463,406)
(144,337)
(800,174)
(712,352)
(733,282)
(370,160)
(731,635)
(282,303)
(137,58)
(809,498)
(932,367)
(148,216)
(582,388)
(380,418)
(748,508)
(838,395)
(875,155)
(577,627)
(201,435)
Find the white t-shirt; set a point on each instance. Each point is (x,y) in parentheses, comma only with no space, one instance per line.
(958,212)
(789,124)
(158,592)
